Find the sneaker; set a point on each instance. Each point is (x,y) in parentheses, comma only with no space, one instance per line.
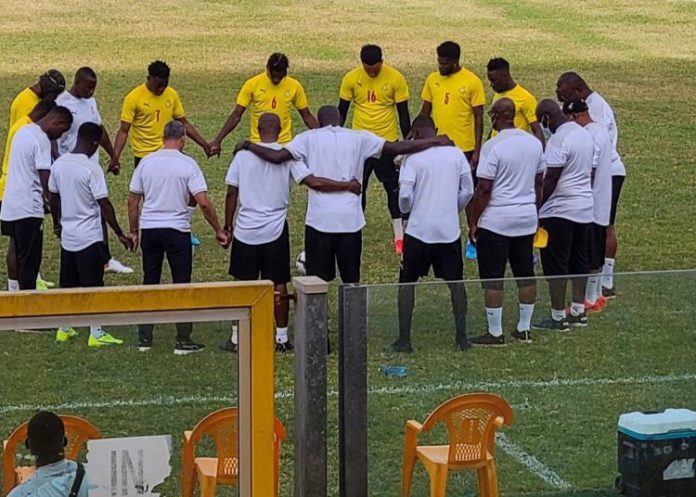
(115,266)
(194,240)
(187,347)
(577,321)
(463,344)
(144,346)
(65,335)
(42,285)
(401,346)
(550,324)
(523,336)
(488,339)
(608,293)
(284,347)
(104,339)
(399,246)
(228,346)
(598,306)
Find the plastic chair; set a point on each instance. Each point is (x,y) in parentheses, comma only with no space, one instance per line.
(77,431)
(223,469)
(471,422)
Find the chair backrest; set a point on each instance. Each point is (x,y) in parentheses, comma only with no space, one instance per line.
(222,427)
(471,424)
(77,432)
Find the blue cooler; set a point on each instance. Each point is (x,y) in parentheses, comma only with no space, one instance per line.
(657,454)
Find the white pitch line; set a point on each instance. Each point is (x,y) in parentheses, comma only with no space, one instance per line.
(532,463)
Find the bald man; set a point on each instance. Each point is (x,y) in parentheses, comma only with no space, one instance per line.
(504,219)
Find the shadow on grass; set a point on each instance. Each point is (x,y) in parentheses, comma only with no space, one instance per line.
(599,492)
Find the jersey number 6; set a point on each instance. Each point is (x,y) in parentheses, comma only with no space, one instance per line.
(273,103)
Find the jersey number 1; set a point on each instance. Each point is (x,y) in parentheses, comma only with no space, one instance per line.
(157,115)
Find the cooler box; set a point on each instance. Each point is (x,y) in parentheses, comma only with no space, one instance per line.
(657,452)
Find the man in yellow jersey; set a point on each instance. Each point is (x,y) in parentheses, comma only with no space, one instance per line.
(525,104)
(379,92)
(146,111)
(455,98)
(48,87)
(40,110)
(271,91)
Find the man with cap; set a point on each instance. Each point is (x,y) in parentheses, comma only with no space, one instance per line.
(48,87)
(55,476)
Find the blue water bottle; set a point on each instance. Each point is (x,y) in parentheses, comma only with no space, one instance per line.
(394,371)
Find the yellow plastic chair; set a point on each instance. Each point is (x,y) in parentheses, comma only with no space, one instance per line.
(223,469)
(471,422)
(77,431)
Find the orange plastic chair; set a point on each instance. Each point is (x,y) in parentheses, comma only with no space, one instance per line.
(471,422)
(223,469)
(77,431)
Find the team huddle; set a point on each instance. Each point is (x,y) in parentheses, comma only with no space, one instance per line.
(545,171)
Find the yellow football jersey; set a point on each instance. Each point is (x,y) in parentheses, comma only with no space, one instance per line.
(22,105)
(21,122)
(263,96)
(148,114)
(525,107)
(453,98)
(375,99)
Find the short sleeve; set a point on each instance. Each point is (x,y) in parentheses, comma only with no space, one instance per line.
(426,94)
(407,172)
(477,95)
(488,165)
(529,109)
(130,108)
(97,114)
(371,145)
(400,89)
(466,181)
(178,107)
(246,95)
(299,147)
(196,181)
(541,165)
(42,157)
(53,184)
(299,171)
(136,183)
(556,154)
(232,177)
(346,90)
(300,101)
(97,184)
(596,153)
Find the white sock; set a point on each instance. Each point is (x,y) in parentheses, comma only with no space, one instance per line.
(282,335)
(577,308)
(96,331)
(64,328)
(495,320)
(526,311)
(591,289)
(38,277)
(234,338)
(398,229)
(608,273)
(599,285)
(12,285)
(557,315)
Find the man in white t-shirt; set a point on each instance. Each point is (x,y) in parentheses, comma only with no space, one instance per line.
(571,86)
(166,182)
(261,242)
(81,102)
(577,111)
(504,219)
(79,201)
(434,187)
(567,210)
(26,195)
(334,222)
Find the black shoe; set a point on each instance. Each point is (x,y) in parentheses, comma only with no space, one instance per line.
(579,321)
(463,343)
(284,347)
(402,346)
(187,347)
(608,293)
(488,339)
(550,324)
(522,336)
(228,346)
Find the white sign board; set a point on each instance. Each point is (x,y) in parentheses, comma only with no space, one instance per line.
(128,467)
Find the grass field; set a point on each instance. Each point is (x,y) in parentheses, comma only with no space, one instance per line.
(567,391)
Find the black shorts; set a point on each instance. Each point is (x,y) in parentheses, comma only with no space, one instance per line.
(84,268)
(323,251)
(445,259)
(270,261)
(596,246)
(27,234)
(384,169)
(616,185)
(566,252)
(495,251)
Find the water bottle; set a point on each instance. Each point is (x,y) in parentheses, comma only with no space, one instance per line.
(470,252)
(394,371)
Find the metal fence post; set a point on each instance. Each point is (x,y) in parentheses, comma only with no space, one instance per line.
(352,388)
(311,323)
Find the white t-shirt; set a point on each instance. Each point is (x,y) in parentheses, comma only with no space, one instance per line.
(30,153)
(338,154)
(571,147)
(511,159)
(601,112)
(166,179)
(437,175)
(84,110)
(80,183)
(601,188)
(264,195)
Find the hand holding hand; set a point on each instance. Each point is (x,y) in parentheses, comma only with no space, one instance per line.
(113,167)
(135,240)
(223,238)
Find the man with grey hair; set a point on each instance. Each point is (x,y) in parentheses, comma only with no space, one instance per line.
(167,182)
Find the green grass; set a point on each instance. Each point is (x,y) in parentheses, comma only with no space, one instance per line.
(638,54)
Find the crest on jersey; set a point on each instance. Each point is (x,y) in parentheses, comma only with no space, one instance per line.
(385,87)
(287,93)
(169,104)
(461,90)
